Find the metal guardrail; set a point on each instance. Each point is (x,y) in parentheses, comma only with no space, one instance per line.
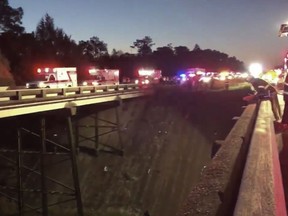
(21,94)
(26,101)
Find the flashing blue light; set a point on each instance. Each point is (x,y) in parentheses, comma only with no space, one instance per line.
(182,76)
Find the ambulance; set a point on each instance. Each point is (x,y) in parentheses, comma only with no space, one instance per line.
(58,77)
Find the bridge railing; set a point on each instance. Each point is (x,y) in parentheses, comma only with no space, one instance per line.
(28,101)
(21,94)
(244,177)
(261,191)
(221,179)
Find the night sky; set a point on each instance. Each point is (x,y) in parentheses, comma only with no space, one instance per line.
(246,29)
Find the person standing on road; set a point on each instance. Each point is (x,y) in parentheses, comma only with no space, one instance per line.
(285,97)
(283,125)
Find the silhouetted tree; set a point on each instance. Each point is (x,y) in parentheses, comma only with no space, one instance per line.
(10,18)
(55,46)
(164,51)
(117,52)
(45,30)
(144,46)
(93,48)
(196,47)
(165,59)
(181,50)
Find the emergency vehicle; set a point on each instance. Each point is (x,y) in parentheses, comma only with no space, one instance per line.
(191,75)
(58,77)
(102,77)
(148,76)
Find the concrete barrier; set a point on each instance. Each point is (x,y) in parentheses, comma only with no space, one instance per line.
(3,88)
(261,191)
(216,194)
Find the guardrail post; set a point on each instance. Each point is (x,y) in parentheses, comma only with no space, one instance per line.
(18,95)
(63,91)
(94,90)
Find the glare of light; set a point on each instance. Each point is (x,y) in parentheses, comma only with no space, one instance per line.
(136,81)
(244,75)
(143,72)
(84,83)
(46,70)
(205,79)
(38,70)
(146,81)
(267,77)
(199,72)
(222,78)
(255,69)
(92,71)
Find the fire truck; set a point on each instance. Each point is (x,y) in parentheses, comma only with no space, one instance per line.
(147,76)
(58,77)
(102,77)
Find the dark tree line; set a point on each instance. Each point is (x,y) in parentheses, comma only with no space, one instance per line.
(51,46)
